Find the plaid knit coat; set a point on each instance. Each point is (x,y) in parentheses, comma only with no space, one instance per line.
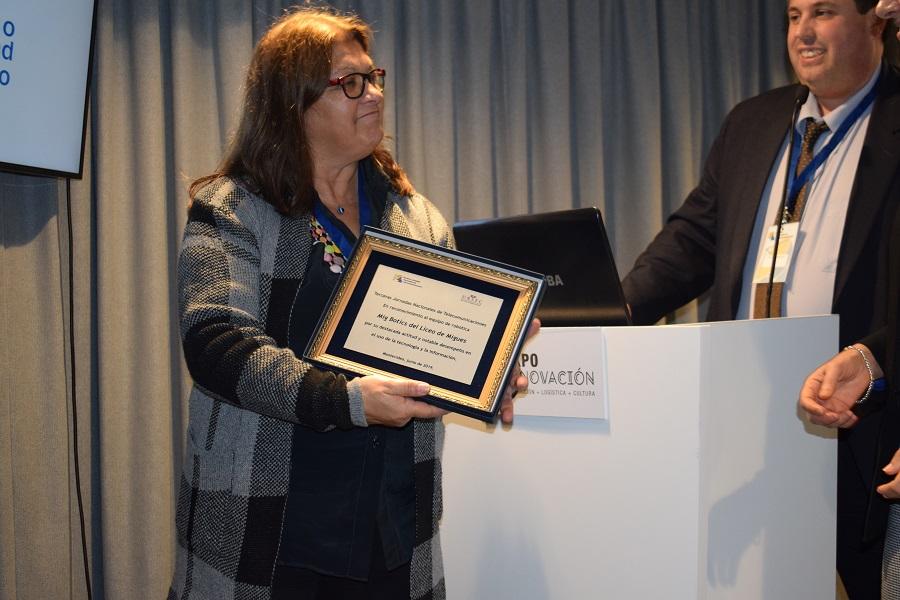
(240,263)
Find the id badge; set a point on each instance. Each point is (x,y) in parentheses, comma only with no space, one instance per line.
(786,245)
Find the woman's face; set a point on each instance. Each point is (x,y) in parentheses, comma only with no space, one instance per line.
(342,131)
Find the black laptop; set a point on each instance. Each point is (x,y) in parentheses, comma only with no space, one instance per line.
(570,248)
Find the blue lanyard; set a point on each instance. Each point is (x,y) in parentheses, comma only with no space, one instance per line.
(334,231)
(800,179)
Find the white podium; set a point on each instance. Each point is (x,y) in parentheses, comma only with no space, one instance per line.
(703,482)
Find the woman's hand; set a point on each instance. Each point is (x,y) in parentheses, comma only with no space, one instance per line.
(517,382)
(392,402)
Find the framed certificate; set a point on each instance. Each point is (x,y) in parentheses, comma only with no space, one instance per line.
(404,308)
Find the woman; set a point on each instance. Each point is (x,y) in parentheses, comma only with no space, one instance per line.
(297,482)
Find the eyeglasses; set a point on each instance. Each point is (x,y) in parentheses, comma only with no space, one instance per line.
(354,84)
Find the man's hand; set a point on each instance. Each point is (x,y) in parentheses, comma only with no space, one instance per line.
(891,489)
(829,393)
(890,10)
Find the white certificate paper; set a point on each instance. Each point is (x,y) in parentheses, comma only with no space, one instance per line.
(424,324)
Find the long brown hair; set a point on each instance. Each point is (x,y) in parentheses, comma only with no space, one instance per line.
(289,71)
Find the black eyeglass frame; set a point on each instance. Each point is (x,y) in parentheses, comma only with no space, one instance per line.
(374,77)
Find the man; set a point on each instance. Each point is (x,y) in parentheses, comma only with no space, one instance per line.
(835,225)
(832,391)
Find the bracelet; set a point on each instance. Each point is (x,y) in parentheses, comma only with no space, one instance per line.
(869,369)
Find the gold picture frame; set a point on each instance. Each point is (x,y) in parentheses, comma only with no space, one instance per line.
(409,309)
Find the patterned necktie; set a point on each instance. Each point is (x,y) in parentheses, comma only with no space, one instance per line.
(810,135)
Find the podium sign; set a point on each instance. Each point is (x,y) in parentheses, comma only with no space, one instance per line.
(565,367)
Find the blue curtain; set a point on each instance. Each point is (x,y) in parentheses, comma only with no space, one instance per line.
(495,107)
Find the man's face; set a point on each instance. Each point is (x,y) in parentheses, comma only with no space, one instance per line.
(833,48)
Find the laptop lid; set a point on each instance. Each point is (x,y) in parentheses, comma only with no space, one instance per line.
(570,248)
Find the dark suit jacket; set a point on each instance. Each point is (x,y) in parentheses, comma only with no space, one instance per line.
(885,346)
(704,245)
(885,343)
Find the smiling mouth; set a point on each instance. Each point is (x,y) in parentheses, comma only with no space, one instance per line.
(368,114)
(811,52)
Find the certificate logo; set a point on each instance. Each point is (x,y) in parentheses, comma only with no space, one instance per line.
(471,299)
(407,280)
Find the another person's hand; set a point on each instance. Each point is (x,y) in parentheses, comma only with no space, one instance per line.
(829,393)
(392,402)
(517,383)
(889,9)
(891,489)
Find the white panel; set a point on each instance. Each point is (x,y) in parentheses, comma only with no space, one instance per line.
(44,50)
(576,508)
(697,486)
(769,478)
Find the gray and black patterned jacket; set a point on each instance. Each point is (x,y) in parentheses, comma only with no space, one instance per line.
(249,392)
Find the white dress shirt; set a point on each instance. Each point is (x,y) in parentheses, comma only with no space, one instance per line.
(809,287)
